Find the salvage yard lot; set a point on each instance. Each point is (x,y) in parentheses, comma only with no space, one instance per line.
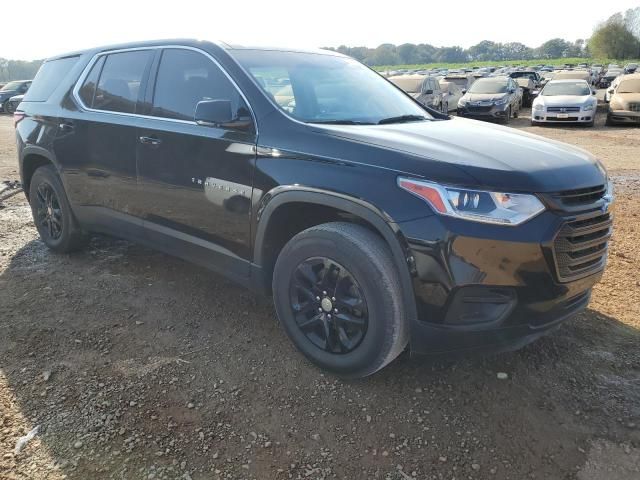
(139,365)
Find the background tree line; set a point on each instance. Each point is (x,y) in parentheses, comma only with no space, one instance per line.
(18,69)
(616,38)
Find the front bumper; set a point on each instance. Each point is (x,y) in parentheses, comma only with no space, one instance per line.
(489,112)
(624,116)
(489,288)
(582,116)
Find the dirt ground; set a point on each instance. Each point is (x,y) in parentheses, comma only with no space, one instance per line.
(136,365)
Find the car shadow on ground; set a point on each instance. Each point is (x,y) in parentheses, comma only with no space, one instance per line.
(134,363)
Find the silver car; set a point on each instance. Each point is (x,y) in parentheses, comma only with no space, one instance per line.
(565,101)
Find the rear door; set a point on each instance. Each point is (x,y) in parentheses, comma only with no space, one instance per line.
(195,181)
(101,158)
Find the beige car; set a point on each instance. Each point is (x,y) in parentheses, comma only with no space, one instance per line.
(573,75)
(624,106)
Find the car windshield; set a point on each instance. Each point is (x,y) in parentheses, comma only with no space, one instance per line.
(319,88)
(10,86)
(566,88)
(522,75)
(629,86)
(488,86)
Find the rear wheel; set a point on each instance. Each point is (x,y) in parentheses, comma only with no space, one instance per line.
(337,295)
(9,107)
(5,106)
(52,213)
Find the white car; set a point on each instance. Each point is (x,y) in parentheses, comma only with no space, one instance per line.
(565,101)
(452,94)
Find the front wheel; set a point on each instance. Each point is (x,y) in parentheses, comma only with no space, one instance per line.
(507,119)
(337,294)
(5,106)
(445,107)
(52,213)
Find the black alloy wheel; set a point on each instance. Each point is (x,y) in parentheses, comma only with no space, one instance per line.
(48,211)
(328,305)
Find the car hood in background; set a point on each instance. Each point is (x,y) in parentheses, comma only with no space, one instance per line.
(483,97)
(496,157)
(560,100)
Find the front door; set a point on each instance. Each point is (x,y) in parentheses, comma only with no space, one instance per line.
(195,181)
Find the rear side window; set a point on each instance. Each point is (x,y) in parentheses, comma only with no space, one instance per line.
(119,85)
(49,76)
(88,90)
(185,78)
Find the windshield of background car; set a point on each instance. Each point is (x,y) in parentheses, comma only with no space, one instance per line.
(629,86)
(522,75)
(489,86)
(325,88)
(408,84)
(566,88)
(10,86)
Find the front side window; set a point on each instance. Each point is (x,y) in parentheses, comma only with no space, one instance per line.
(185,78)
(322,88)
(119,85)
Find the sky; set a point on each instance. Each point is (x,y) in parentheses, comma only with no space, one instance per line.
(41,28)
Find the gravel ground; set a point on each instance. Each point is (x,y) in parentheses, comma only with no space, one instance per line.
(136,365)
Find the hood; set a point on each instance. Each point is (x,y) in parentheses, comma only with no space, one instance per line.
(621,101)
(7,93)
(483,97)
(564,100)
(495,157)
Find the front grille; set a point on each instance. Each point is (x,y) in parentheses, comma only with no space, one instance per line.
(634,107)
(580,248)
(479,108)
(581,196)
(563,109)
(568,119)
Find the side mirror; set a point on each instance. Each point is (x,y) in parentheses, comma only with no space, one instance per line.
(213,113)
(610,90)
(593,92)
(464,90)
(512,90)
(535,93)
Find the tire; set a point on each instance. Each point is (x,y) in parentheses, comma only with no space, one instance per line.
(516,112)
(507,119)
(609,122)
(445,108)
(8,108)
(5,105)
(52,213)
(365,265)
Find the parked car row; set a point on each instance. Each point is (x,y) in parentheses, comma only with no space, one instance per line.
(11,90)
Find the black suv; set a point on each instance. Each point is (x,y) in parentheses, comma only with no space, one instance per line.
(373,221)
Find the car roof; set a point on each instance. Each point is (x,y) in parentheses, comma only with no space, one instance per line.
(189,42)
(569,80)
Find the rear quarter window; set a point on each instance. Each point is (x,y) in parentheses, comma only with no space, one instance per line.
(48,78)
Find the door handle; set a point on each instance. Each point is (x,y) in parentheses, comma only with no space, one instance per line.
(150,141)
(66,127)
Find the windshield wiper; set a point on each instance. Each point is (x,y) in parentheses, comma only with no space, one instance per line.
(402,119)
(341,122)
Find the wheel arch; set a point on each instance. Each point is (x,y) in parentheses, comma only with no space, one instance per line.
(32,158)
(346,207)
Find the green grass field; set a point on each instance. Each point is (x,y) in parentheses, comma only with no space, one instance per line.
(552,61)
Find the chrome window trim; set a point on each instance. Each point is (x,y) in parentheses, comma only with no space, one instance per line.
(87,69)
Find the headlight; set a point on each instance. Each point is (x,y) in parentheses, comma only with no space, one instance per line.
(588,107)
(538,107)
(476,205)
(501,101)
